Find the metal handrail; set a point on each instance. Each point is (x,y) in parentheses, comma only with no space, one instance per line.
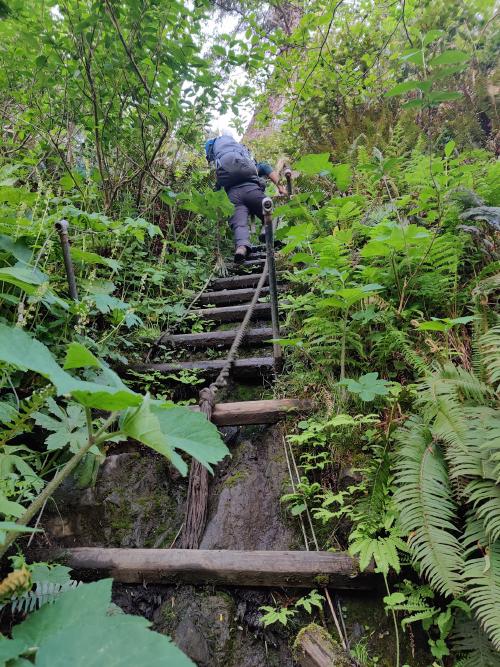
(62,227)
(267,212)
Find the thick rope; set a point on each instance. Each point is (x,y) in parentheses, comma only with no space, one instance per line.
(197,498)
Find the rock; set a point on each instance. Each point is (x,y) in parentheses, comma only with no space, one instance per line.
(134,503)
(207,626)
(189,639)
(245,509)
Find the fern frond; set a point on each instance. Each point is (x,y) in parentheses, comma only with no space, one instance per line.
(482,577)
(489,347)
(471,645)
(394,342)
(427,509)
(44,592)
(484,495)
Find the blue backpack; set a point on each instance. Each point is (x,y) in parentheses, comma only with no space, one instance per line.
(233,163)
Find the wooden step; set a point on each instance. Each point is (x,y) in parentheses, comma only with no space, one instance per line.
(251,367)
(217,338)
(262,311)
(229,296)
(301,569)
(254,262)
(255,412)
(236,282)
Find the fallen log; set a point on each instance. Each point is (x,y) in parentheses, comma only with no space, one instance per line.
(302,569)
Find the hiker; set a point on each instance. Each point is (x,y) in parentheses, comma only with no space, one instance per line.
(244,181)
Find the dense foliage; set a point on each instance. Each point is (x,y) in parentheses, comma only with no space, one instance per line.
(386,111)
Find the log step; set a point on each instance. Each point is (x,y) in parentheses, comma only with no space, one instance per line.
(218,338)
(258,261)
(251,367)
(229,296)
(302,569)
(234,313)
(255,412)
(236,282)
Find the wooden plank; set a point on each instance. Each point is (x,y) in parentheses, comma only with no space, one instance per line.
(302,569)
(254,262)
(255,412)
(218,338)
(229,296)
(234,313)
(251,367)
(236,282)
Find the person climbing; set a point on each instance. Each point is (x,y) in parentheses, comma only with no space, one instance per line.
(244,181)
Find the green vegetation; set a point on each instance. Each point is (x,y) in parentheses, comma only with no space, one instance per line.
(386,113)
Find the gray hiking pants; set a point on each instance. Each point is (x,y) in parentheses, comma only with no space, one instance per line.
(247,200)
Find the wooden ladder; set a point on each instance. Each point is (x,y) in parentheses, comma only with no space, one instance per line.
(226,300)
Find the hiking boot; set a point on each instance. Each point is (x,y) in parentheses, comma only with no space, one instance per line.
(240,254)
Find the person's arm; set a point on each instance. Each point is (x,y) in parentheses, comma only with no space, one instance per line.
(273,176)
(265,169)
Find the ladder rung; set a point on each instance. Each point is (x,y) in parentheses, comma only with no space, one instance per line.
(251,367)
(256,412)
(229,296)
(233,313)
(309,569)
(218,338)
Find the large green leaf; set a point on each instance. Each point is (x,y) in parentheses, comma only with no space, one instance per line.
(450,57)
(77,356)
(192,433)
(18,349)
(23,277)
(314,164)
(93,258)
(143,425)
(166,429)
(343,176)
(405,87)
(367,386)
(82,630)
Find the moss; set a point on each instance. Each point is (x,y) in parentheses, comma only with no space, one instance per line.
(311,628)
(234,479)
(321,580)
(121,522)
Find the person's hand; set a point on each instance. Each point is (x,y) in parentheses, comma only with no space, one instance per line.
(282,190)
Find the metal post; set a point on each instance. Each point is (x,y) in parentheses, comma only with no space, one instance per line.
(267,211)
(62,229)
(288,175)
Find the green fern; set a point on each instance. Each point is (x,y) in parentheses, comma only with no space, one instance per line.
(449,464)
(482,577)
(428,511)
(471,646)
(44,592)
(393,342)
(489,345)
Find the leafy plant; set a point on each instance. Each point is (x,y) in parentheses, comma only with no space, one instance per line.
(68,630)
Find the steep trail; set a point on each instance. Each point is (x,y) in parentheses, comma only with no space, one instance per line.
(130,526)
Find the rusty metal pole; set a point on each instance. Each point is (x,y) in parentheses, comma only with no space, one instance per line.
(288,175)
(62,229)
(267,211)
